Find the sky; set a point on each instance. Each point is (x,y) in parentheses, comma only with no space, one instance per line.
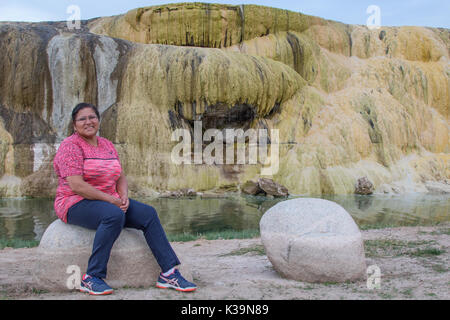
(431,13)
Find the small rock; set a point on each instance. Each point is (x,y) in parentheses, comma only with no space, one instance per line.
(251,187)
(179,193)
(188,192)
(364,186)
(272,188)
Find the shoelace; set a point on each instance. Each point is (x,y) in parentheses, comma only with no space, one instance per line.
(96,280)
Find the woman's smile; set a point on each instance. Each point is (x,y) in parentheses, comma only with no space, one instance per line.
(87,124)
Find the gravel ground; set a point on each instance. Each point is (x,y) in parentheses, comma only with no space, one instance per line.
(414,264)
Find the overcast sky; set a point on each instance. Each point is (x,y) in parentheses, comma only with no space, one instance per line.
(432,13)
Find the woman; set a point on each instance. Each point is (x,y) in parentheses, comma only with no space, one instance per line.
(93,193)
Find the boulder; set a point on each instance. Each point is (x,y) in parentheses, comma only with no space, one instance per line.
(313,240)
(251,187)
(65,248)
(364,186)
(270,187)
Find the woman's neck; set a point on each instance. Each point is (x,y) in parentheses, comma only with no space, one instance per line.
(92,141)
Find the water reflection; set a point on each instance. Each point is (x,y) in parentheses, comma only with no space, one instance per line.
(25,218)
(28,218)
(404,210)
(202,215)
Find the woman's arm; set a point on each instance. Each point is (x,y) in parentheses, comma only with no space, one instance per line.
(122,190)
(85,190)
(122,185)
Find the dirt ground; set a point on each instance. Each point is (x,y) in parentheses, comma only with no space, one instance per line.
(414,264)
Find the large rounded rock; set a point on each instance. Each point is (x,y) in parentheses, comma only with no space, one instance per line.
(313,240)
(64,249)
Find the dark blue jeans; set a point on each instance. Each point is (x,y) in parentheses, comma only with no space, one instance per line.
(109,220)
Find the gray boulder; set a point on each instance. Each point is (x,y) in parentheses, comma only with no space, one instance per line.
(65,248)
(313,240)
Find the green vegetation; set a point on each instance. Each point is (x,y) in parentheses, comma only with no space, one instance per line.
(17,243)
(183,237)
(395,248)
(427,252)
(440,268)
(258,249)
(377,226)
(394,224)
(215,235)
(441,231)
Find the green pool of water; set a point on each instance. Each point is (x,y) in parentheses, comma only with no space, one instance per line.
(28,218)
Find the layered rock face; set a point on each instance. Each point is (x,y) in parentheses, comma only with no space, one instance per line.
(347,102)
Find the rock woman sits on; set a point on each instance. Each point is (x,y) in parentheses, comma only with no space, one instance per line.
(93,193)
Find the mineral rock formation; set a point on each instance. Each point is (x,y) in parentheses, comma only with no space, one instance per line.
(348,102)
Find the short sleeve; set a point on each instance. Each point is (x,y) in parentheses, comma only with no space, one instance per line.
(68,160)
(112,148)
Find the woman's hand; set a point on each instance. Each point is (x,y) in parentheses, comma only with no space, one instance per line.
(85,190)
(125,203)
(122,190)
(122,202)
(115,201)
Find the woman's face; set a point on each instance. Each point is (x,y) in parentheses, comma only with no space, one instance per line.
(86,123)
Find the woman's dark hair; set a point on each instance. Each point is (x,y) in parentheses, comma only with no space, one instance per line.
(81,106)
